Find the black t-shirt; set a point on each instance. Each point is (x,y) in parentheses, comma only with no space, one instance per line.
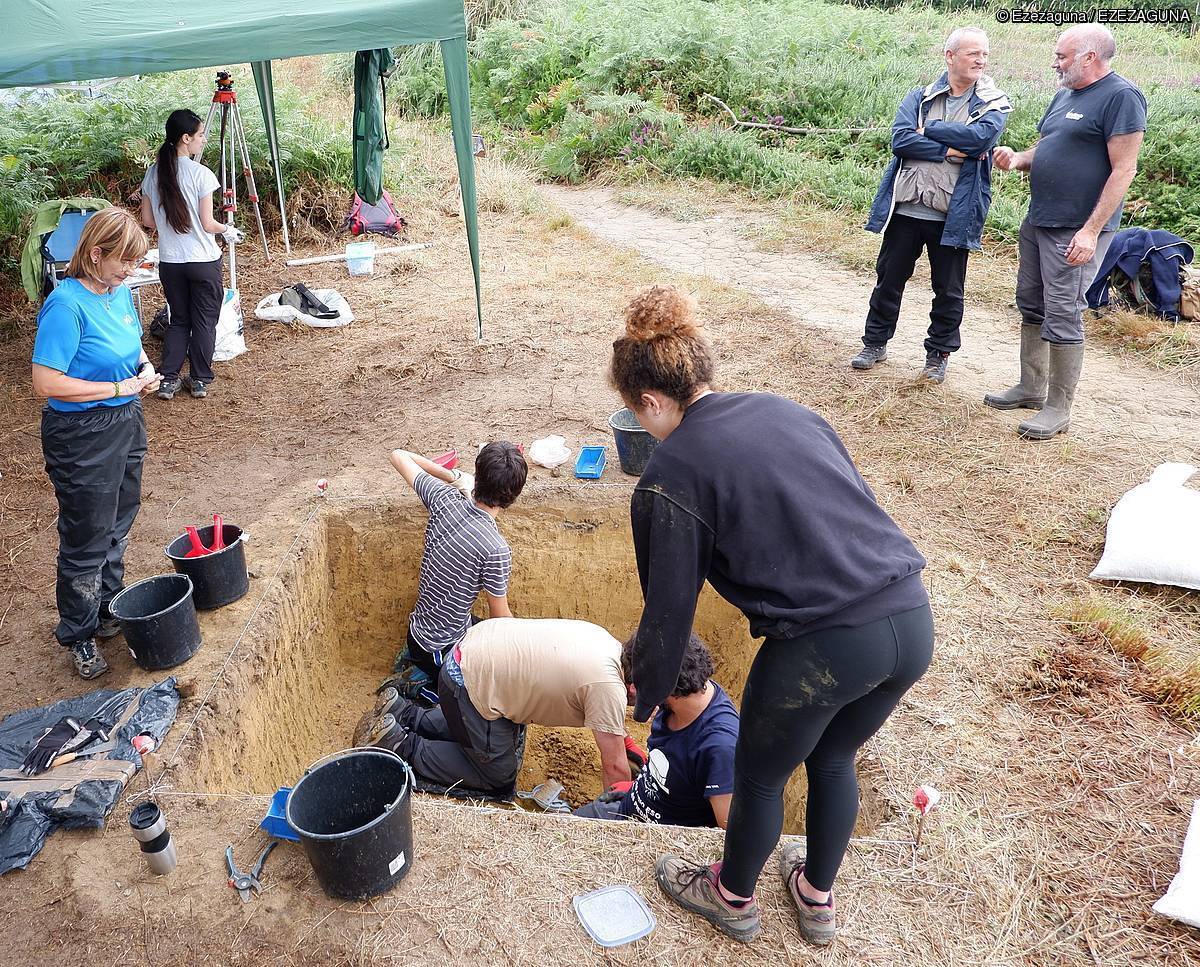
(1070,164)
(686,767)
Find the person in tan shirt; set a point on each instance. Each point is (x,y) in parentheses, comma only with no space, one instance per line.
(506,674)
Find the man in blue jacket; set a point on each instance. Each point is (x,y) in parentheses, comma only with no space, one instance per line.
(935,196)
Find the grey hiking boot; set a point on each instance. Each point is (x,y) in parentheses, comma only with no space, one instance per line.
(694,887)
(389,704)
(167,389)
(89,663)
(197,388)
(389,734)
(817,921)
(935,367)
(869,356)
(1030,392)
(1066,363)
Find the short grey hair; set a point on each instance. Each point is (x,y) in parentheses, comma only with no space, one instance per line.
(1093,39)
(958,35)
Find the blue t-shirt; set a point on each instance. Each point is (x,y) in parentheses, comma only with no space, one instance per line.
(1071,165)
(686,767)
(89,336)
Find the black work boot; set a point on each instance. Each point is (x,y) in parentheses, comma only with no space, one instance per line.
(89,663)
(935,366)
(869,356)
(1066,363)
(1030,391)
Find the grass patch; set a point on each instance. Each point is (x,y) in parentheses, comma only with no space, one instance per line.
(589,88)
(1169,679)
(1167,344)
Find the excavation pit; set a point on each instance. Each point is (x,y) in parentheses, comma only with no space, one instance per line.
(321,649)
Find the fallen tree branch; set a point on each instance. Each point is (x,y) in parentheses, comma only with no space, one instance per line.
(781,127)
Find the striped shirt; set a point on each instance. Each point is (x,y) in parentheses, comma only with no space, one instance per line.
(464,553)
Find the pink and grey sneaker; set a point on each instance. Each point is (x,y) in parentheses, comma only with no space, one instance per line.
(817,921)
(694,887)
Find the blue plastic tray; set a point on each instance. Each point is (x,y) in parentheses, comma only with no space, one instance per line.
(275,821)
(590,463)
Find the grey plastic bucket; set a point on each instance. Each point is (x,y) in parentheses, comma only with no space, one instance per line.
(634,445)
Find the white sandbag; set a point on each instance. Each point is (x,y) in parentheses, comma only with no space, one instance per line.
(1182,899)
(231,340)
(1154,532)
(270,310)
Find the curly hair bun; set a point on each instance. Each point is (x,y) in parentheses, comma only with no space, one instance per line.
(660,311)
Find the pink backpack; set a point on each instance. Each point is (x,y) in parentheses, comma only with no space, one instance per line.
(381,218)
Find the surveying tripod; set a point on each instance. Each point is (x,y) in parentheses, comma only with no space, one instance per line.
(231,144)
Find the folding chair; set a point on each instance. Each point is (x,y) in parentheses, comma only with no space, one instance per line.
(59,245)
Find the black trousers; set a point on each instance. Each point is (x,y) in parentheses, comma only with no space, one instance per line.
(94,460)
(194,291)
(903,240)
(815,700)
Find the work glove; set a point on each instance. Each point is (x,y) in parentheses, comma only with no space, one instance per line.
(635,753)
(49,746)
(618,792)
(233,235)
(464,482)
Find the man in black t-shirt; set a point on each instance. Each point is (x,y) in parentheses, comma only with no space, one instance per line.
(1079,170)
(688,777)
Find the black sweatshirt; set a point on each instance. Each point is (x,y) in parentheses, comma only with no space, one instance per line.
(756,494)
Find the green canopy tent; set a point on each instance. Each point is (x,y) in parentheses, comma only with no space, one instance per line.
(71,40)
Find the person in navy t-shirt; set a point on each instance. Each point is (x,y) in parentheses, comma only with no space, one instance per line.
(89,366)
(688,777)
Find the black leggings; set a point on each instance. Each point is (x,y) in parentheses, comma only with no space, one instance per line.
(815,699)
(194,291)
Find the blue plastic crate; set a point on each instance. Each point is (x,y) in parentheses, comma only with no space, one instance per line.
(275,821)
(590,463)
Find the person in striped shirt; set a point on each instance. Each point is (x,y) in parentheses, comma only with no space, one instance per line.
(464,554)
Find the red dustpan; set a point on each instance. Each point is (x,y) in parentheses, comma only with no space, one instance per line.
(218,541)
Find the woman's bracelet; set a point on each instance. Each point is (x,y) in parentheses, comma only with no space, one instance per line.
(116,389)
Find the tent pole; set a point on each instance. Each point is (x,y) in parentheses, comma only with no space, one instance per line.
(265,84)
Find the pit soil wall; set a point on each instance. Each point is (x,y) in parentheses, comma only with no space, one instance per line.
(322,647)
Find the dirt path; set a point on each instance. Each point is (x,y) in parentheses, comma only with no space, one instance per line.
(1121,402)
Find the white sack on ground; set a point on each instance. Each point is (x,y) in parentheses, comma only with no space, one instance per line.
(1182,901)
(269,310)
(1154,532)
(231,342)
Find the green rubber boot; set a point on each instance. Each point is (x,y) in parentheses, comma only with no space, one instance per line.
(1066,363)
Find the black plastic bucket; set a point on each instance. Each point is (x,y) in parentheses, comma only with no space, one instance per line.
(353,811)
(158,620)
(634,445)
(221,577)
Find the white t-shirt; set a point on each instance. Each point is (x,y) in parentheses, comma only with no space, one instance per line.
(197,183)
(545,671)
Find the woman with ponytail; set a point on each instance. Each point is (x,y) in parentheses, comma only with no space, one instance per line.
(792,536)
(177,201)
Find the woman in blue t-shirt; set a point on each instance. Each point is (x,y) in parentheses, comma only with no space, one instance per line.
(89,365)
(177,201)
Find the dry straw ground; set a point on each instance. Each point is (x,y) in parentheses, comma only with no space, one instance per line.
(1067,789)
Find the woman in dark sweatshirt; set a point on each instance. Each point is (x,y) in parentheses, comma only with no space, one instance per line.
(791,535)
